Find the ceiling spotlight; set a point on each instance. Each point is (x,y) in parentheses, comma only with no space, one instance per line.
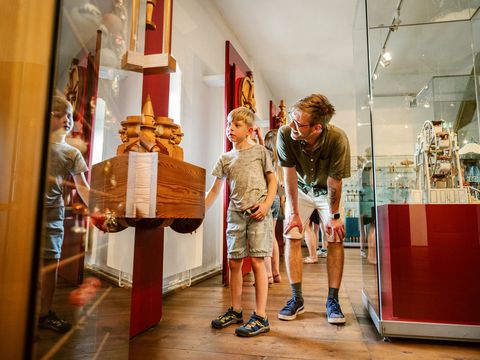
(426,104)
(385,59)
(396,21)
(375,76)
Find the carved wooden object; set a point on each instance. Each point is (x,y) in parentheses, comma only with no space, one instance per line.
(128,190)
(246,93)
(150,8)
(147,133)
(282,115)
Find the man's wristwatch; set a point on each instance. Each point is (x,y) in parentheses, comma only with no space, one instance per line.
(335,216)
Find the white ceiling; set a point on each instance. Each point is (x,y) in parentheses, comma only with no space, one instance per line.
(306,46)
(300,46)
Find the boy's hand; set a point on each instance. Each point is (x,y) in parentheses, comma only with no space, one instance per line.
(259,211)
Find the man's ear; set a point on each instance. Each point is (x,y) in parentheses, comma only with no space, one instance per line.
(318,127)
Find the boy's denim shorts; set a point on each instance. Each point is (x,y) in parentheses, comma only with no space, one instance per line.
(52,247)
(248,237)
(276,213)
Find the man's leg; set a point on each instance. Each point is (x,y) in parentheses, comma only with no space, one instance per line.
(335,261)
(293,259)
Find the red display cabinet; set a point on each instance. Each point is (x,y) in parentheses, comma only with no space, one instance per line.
(428,266)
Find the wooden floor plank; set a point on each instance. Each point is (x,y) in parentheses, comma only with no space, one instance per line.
(185,331)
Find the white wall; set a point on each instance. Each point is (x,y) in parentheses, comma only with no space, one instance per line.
(198,45)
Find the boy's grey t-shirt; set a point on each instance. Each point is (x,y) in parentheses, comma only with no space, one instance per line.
(245,172)
(64,160)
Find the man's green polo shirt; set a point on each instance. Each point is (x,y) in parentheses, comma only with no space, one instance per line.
(330,157)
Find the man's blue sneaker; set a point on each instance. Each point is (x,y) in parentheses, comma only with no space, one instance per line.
(334,312)
(293,308)
(254,326)
(230,317)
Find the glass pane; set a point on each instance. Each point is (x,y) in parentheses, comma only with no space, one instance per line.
(423,82)
(364,173)
(383,12)
(84,301)
(424,122)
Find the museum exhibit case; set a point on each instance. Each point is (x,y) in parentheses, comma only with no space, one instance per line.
(115,176)
(417,90)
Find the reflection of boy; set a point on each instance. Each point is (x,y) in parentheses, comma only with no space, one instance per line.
(249,172)
(64,160)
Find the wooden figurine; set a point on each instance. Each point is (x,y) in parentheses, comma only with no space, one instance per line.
(150,25)
(177,138)
(169,135)
(147,133)
(282,115)
(246,95)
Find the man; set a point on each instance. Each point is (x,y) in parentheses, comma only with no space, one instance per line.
(315,157)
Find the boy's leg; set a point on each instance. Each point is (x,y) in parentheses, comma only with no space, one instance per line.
(312,242)
(260,241)
(236,282)
(261,285)
(237,250)
(48,283)
(275,257)
(268,267)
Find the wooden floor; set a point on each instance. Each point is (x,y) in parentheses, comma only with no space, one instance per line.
(185,331)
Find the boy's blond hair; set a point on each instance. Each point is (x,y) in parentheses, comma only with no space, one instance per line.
(60,104)
(244,114)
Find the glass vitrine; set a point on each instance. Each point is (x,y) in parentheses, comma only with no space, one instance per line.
(417,95)
(86,311)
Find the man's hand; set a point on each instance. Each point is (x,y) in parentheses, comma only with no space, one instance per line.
(294,220)
(336,228)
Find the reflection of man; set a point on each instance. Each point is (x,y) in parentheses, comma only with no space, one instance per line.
(315,157)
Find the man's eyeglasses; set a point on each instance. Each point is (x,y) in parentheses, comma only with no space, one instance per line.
(291,117)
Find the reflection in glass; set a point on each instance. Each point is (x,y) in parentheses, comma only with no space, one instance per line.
(83,310)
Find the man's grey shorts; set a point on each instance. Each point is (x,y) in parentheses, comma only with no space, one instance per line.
(248,237)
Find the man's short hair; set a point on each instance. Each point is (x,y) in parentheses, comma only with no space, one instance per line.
(244,114)
(319,108)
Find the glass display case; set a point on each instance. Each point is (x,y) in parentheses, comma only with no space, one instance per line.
(417,94)
(82,312)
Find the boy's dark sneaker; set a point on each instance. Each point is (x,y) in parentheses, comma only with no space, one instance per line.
(293,308)
(334,312)
(254,326)
(230,317)
(53,322)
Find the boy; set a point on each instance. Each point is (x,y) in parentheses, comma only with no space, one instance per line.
(249,172)
(63,160)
